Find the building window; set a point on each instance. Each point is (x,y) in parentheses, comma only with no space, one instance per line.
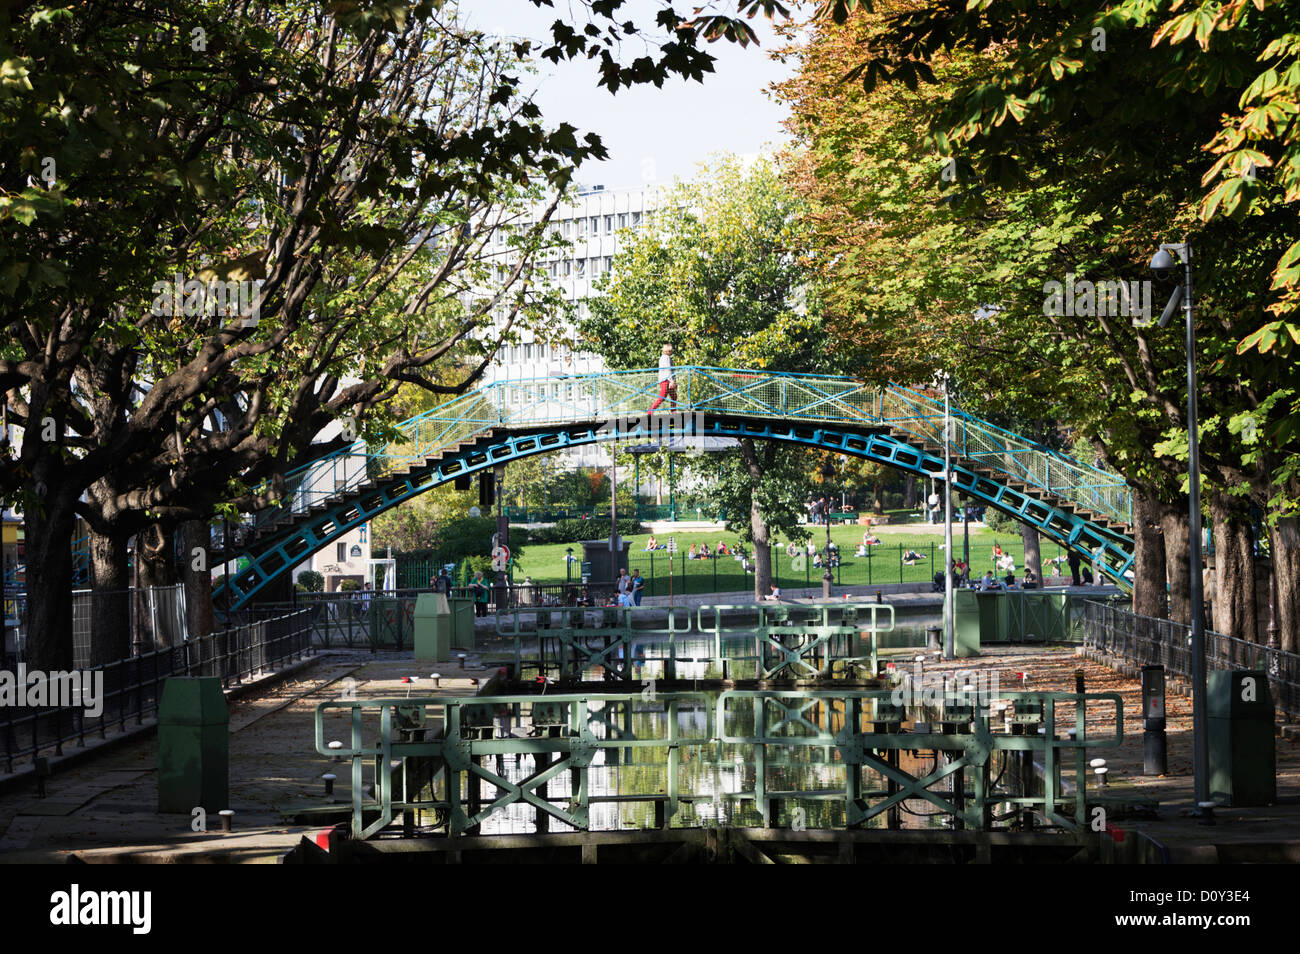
(581,268)
(595,225)
(622,220)
(636,219)
(341,553)
(568,229)
(609,262)
(609,223)
(568,268)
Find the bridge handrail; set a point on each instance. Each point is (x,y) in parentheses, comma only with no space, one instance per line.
(605,395)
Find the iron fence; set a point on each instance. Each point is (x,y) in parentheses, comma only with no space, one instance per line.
(733,572)
(1164,642)
(794,567)
(155,617)
(132,687)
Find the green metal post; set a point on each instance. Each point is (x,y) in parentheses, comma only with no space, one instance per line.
(852,768)
(765,808)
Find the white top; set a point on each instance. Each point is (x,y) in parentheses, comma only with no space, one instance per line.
(665,367)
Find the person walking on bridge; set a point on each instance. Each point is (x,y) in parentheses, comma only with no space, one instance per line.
(667,386)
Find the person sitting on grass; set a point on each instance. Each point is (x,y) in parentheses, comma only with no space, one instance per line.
(704,551)
(989,583)
(722,549)
(693,553)
(775,594)
(911,558)
(651,544)
(861,551)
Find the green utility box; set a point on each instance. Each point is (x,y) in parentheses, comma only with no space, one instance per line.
(193,746)
(433,625)
(1010,616)
(1243,758)
(462,622)
(968,626)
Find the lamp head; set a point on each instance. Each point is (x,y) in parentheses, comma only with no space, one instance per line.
(1164,265)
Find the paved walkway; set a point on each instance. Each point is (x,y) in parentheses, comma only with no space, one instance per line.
(104,808)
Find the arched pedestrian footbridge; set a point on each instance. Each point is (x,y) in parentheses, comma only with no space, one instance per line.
(1081,507)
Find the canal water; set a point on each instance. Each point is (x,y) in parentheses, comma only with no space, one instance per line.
(719,772)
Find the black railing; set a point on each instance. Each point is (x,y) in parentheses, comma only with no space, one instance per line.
(1163,642)
(132,687)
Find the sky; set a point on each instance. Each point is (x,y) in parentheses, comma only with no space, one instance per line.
(653,135)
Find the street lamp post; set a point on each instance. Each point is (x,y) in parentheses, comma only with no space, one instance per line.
(828,578)
(1165,266)
(948,609)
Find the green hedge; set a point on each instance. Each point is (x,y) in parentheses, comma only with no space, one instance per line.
(575,531)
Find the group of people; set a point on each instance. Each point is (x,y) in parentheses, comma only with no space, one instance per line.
(1009,582)
(1003,563)
(819,510)
(700,551)
(628,589)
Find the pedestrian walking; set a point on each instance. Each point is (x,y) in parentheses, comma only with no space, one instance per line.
(667,385)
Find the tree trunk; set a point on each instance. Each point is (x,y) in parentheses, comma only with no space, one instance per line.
(157,552)
(48,528)
(909,492)
(1033,555)
(110,579)
(762,550)
(196,539)
(879,505)
(1149,565)
(1234,569)
(1173,522)
(1285,547)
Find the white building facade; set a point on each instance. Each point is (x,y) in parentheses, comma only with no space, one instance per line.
(589,229)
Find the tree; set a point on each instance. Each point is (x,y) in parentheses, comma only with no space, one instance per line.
(1046,164)
(718,274)
(344,171)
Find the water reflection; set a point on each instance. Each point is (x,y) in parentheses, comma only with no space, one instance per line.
(700,779)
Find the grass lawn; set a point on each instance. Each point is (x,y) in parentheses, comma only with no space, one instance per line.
(544,563)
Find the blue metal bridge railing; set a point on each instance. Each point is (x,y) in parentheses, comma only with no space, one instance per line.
(1080,506)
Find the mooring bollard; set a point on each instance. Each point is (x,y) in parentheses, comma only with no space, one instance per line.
(329,778)
(42,773)
(1207,813)
(227,819)
(1155,751)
